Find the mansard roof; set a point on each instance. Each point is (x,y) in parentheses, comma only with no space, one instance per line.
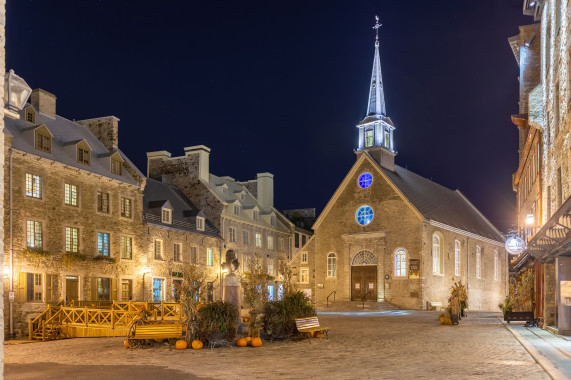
(157,193)
(66,132)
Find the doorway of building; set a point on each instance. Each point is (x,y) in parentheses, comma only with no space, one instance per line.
(364,283)
(71,289)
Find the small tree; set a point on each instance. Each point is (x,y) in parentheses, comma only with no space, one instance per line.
(254,283)
(193,290)
(287,278)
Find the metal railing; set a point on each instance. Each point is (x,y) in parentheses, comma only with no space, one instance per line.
(363,298)
(333,292)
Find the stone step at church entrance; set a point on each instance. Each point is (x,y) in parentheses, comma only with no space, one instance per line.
(357,306)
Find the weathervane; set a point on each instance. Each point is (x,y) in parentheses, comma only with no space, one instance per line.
(376,27)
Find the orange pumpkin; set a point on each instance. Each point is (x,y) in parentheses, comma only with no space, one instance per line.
(318,335)
(241,342)
(248,339)
(126,343)
(197,344)
(180,344)
(256,342)
(158,340)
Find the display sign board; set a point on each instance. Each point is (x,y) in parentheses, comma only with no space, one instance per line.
(414,268)
(565,291)
(515,245)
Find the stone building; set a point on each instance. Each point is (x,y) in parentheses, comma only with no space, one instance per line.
(243,211)
(549,122)
(77,228)
(302,220)
(388,234)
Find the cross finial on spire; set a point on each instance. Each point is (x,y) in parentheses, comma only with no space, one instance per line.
(376,27)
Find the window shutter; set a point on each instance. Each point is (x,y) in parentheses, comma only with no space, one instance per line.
(94,288)
(21,294)
(114,289)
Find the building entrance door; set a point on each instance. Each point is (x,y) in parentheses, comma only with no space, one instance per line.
(364,282)
(71,289)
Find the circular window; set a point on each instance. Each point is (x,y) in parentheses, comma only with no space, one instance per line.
(365,180)
(364,215)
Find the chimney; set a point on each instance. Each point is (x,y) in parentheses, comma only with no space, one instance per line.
(383,156)
(44,102)
(203,154)
(106,129)
(155,161)
(265,190)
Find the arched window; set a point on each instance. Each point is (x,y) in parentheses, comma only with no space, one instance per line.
(496,265)
(331,265)
(478,261)
(435,254)
(364,215)
(400,263)
(456,258)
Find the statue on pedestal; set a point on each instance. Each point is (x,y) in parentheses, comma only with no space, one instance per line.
(231,291)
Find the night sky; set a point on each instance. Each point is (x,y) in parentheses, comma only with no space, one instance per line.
(279,86)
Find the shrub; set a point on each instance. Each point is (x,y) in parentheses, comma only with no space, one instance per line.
(217,317)
(278,314)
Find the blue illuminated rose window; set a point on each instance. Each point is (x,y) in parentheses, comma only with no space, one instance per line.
(364,215)
(365,180)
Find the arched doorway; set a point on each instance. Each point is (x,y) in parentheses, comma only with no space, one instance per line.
(364,276)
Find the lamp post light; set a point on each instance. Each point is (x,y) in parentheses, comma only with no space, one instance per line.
(146,270)
(16,93)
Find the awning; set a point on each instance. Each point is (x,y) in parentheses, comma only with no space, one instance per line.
(554,238)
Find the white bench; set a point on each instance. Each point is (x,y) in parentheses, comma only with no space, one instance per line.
(309,326)
(435,305)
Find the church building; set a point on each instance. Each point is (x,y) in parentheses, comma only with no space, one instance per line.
(388,234)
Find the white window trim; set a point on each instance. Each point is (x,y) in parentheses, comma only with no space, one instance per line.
(162,253)
(200,223)
(306,255)
(330,272)
(396,254)
(457,257)
(163,287)
(439,257)
(301,270)
(180,252)
(168,213)
(478,262)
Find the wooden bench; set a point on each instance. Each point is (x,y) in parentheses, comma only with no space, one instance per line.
(140,332)
(435,305)
(309,326)
(522,316)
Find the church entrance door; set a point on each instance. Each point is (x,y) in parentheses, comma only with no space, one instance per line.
(364,281)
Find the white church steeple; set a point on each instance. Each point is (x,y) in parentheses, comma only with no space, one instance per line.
(376,129)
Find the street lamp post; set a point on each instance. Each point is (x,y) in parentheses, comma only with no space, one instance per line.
(146,270)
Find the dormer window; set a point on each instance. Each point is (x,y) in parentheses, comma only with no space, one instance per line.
(273,220)
(243,196)
(256,215)
(83,153)
(116,167)
(236,210)
(43,139)
(200,223)
(30,115)
(225,190)
(166,216)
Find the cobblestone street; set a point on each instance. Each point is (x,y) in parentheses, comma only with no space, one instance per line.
(389,345)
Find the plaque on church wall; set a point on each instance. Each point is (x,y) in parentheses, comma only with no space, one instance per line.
(414,268)
(357,286)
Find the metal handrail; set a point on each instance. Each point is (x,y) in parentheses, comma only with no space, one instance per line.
(363,298)
(333,292)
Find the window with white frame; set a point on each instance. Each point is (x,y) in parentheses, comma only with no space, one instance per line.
(232,235)
(331,265)
(194,255)
(200,223)
(270,242)
(400,263)
(158,249)
(478,262)
(177,250)
(435,254)
(126,247)
(166,215)
(256,215)
(33,186)
(71,239)
(103,244)
(209,257)
(304,257)
(281,244)
(456,258)
(116,167)
(43,140)
(70,194)
(259,240)
(271,266)
(246,262)
(103,202)
(496,265)
(273,220)
(34,238)
(245,237)
(304,275)
(236,210)
(126,207)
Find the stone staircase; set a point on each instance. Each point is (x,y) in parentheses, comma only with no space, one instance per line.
(357,306)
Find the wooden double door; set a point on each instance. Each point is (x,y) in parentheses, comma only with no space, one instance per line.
(364,281)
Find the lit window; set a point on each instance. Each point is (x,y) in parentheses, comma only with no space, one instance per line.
(43,141)
(232,235)
(365,180)
(30,115)
(177,252)
(126,207)
(70,194)
(126,247)
(34,287)
(270,292)
(456,258)
(387,138)
(478,262)
(103,202)
(304,257)
(236,210)
(71,239)
(270,266)
(270,242)
(245,237)
(435,254)
(304,276)
(331,265)
(364,215)
(369,138)
(200,223)
(496,265)
(83,155)
(34,234)
(158,289)
(400,263)
(166,215)
(259,240)
(103,244)
(116,167)
(158,249)
(33,186)
(209,257)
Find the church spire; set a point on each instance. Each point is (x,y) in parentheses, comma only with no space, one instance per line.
(376,105)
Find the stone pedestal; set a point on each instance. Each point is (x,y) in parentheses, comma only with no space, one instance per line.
(231,293)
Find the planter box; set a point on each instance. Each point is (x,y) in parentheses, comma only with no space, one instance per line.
(523,316)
